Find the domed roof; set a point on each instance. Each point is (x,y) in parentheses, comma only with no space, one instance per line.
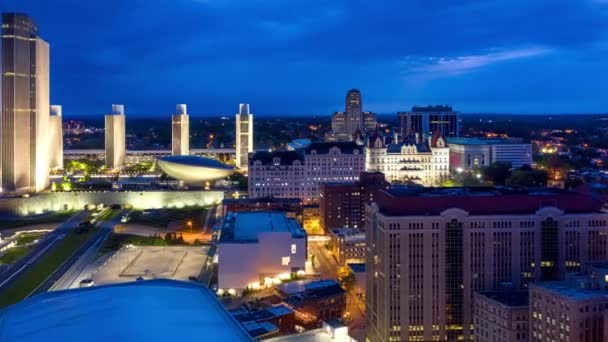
(194,168)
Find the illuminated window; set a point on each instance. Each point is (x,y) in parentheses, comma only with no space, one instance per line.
(285,261)
(293,249)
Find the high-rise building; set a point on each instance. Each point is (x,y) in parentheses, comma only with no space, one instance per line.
(115,137)
(353,119)
(429,250)
(180,131)
(56,138)
(427,120)
(24,68)
(244,136)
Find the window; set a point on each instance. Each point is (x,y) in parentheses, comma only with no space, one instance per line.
(285,261)
(293,249)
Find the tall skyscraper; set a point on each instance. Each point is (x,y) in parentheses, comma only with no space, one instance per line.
(24,99)
(427,120)
(115,137)
(244,136)
(56,138)
(354,111)
(180,131)
(429,250)
(353,118)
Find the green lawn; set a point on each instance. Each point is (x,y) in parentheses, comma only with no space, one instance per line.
(162,217)
(115,241)
(24,239)
(29,281)
(57,217)
(108,215)
(13,255)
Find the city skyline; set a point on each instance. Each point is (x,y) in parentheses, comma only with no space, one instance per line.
(500,60)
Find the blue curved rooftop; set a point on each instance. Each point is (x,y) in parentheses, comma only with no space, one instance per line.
(196,161)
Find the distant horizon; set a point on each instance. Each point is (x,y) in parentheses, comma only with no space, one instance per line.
(309,116)
(302,57)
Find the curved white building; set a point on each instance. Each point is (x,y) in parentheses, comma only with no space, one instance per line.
(194,168)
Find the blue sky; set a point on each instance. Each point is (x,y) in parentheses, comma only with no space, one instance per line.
(299,57)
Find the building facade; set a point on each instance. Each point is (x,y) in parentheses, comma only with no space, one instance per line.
(244,136)
(575,309)
(353,119)
(343,204)
(413,160)
(299,174)
(56,138)
(501,316)
(180,131)
(430,249)
(25,105)
(427,120)
(473,153)
(347,245)
(115,135)
(258,249)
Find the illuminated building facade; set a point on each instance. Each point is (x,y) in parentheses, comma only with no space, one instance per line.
(430,249)
(255,248)
(115,136)
(56,138)
(25,103)
(180,131)
(353,119)
(412,160)
(475,153)
(427,120)
(299,174)
(244,136)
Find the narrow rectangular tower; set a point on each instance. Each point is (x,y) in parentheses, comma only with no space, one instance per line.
(56,138)
(180,131)
(244,136)
(24,105)
(115,137)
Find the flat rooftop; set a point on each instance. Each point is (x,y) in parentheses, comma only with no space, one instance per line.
(245,226)
(152,262)
(568,290)
(483,141)
(507,298)
(417,201)
(155,310)
(323,287)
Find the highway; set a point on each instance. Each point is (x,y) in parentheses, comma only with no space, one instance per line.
(78,267)
(15,270)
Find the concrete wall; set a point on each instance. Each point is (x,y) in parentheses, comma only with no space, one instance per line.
(54,201)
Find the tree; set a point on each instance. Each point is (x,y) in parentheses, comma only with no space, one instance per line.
(497,173)
(527,178)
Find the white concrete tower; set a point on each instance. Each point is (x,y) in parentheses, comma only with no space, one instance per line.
(115,137)
(56,138)
(244,136)
(180,131)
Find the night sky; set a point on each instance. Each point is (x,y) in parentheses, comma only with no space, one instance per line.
(293,57)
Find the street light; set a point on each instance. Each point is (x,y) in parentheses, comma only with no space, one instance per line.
(190,226)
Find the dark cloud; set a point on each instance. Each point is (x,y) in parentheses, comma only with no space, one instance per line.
(297,57)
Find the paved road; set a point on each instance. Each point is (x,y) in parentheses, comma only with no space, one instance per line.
(327,267)
(207,272)
(77,268)
(8,276)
